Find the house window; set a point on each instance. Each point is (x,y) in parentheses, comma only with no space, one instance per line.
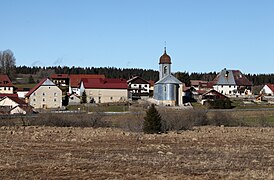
(4,88)
(34,94)
(44,94)
(44,100)
(49,87)
(34,100)
(229,92)
(8,88)
(55,94)
(229,86)
(71,98)
(111,98)
(55,100)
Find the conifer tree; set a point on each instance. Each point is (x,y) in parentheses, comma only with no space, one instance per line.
(152,121)
(84,97)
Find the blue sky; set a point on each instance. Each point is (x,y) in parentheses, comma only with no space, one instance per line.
(201,35)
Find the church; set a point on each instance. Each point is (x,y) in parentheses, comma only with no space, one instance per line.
(168,91)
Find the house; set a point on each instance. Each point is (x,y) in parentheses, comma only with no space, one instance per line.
(138,88)
(60,79)
(215,99)
(74,99)
(232,82)
(6,86)
(168,91)
(104,90)
(75,80)
(45,95)
(268,89)
(198,84)
(14,105)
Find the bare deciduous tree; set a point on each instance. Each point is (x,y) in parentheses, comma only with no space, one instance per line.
(7,63)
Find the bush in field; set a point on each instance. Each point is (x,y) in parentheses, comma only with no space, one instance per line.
(69,120)
(175,120)
(219,104)
(222,118)
(152,121)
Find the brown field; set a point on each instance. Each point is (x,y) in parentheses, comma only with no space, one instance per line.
(87,153)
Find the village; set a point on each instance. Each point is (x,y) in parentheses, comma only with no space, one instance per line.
(61,90)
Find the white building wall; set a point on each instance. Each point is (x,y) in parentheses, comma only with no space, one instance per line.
(226,89)
(107,95)
(18,110)
(267,90)
(8,102)
(6,90)
(145,87)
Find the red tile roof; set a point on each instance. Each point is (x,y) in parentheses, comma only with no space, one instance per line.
(151,82)
(75,79)
(5,81)
(105,83)
(59,76)
(16,99)
(271,86)
(35,87)
(8,95)
(197,82)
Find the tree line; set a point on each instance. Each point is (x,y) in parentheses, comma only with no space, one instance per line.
(127,73)
(8,66)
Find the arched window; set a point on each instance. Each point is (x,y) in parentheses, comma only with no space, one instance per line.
(165,69)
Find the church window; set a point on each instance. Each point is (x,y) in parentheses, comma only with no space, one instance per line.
(165,69)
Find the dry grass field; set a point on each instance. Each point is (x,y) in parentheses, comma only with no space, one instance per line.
(102,153)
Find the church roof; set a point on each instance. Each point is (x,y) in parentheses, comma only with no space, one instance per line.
(165,59)
(169,79)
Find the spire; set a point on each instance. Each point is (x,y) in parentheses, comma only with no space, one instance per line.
(165,47)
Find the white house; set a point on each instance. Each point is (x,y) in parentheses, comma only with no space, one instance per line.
(138,88)
(14,105)
(268,89)
(232,82)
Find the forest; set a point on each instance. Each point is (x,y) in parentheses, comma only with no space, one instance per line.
(127,73)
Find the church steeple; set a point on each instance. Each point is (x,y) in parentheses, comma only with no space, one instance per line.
(165,65)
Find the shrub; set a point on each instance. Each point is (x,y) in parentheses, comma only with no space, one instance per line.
(152,121)
(69,120)
(219,104)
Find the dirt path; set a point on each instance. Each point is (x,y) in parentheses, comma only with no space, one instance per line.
(86,153)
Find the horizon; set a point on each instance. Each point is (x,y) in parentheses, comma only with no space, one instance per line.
(200,36)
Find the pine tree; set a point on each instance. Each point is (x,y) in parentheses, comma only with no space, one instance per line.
(84,97)
(152,121)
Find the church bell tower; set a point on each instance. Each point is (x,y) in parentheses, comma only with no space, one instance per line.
(164,65)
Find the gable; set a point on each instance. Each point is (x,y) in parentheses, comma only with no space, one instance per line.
(48,82)
(137,80)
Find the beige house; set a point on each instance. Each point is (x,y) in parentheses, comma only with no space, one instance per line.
(104,90)
(45,95)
